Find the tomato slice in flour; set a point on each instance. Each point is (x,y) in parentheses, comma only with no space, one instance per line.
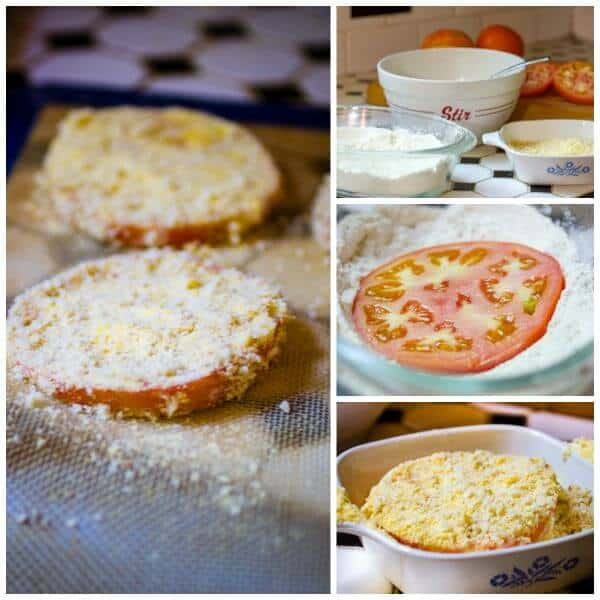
(458,308)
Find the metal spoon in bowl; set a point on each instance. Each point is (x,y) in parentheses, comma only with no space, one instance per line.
(523,63)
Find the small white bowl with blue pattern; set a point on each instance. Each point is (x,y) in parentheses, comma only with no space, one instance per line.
(546,170)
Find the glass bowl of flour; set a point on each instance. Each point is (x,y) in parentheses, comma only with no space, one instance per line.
(393,153)
(561,362)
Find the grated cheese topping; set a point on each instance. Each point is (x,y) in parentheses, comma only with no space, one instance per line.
(150,169)
(567,146)
(143,320)
(465,501)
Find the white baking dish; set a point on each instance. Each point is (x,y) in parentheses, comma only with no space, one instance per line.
(453,83)
(546,170)
(533,568)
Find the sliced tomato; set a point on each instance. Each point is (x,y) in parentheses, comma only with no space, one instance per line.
(574,81)
(205,392)
(458,308)
(538,79)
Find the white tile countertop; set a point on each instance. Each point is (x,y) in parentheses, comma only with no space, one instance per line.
(485,171)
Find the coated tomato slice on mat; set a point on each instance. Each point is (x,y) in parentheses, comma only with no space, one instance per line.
(458,308)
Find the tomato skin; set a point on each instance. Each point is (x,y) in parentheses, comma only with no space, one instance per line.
(458,308)
(499,37)
(447,38)
(574,81)
(205,392)
(539,79)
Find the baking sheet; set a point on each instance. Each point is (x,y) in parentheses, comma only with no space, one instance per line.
(234,499)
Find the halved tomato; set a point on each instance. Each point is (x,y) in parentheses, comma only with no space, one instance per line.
(538,79)
(574,81)
(458,308)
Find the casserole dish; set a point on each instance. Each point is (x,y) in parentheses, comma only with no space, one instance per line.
(533,568)
(453,83)
(546,170)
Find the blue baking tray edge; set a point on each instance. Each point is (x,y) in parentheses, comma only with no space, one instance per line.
(24,103)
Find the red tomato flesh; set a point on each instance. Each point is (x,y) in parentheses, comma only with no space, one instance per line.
(574,81)
(458,308)
(538,79)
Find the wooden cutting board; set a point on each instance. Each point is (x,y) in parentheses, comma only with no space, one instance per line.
(549,106)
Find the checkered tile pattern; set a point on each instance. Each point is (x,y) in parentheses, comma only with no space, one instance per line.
(485,171)
(278,55)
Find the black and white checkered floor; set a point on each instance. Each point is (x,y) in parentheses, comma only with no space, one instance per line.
(229,53)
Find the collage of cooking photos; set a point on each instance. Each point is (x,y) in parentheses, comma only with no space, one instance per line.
(256,345)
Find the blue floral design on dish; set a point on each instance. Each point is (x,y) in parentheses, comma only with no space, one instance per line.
(542,569)
(569,169)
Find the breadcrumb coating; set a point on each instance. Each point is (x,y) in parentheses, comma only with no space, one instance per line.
(150,177)
(465,501)
(157,321)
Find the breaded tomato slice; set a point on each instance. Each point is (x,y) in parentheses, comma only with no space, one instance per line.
(465,501)
(156,332)
(155,177)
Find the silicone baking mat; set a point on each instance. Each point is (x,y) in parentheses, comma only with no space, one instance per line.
(234,499)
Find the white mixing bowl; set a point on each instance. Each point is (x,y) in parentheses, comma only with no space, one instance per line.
(453,83)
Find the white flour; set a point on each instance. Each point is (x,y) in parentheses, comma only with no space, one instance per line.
(380,138)
(369,239)
(386,174)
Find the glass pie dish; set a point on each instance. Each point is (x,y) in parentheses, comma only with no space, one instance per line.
(363,173)
(361,371)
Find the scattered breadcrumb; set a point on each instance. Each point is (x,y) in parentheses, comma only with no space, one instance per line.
(582,447)
(347,512)
(219,458)
(575,512)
